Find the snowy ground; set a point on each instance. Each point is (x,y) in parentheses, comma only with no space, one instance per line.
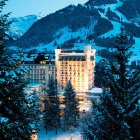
(60,136)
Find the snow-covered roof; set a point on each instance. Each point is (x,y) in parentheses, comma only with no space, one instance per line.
(34,55)
(60,92)
(46,55)
(95,90)
(53,59)
(34,85)
(29,59)
(92,96)
(27,91)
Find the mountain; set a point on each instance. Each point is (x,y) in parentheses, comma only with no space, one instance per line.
(97,21)
(20,25)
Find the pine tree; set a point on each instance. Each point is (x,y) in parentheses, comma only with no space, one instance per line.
(118,115)
(15,122)
(34,108)
(4,27)
(71,111)
(52,111)
(14,116)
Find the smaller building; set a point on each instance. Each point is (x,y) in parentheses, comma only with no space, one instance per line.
(93,93)
(32,87)
(40,66)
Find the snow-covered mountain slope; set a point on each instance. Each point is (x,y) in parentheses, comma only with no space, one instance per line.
(96,21)
(20,25)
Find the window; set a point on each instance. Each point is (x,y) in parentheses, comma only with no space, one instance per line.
(49,72)
(42,62)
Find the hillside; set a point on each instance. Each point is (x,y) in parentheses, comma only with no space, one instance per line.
(20,25)
(97,21)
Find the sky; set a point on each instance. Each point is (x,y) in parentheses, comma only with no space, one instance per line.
(28,7)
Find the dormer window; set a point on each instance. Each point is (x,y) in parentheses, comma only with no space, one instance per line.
(42,62)
(46,57)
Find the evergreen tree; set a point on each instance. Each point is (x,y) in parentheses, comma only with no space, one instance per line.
(118,115)
(52,111)
(15,122)
(34,101)
(99,73)
(4,26)
(71,111)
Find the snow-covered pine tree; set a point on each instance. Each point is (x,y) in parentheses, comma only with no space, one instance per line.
(118,115)
(14,111)
(71,111)
(52,110)
(4,27)
(35,104)
(15,122)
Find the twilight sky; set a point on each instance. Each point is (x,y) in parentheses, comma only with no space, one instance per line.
(27,7)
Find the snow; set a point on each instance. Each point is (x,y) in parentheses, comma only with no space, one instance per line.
(29,59)
(96,90)
(98,58)
(34,85)
(115,31)
(66,34)
(113,8)
(136,50)
(3,120)
(60,136)
(34,55)
(20,25)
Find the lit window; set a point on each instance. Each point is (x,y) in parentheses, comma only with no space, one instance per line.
(42,62)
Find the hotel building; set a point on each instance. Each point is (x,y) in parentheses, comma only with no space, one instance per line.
(40,67)
(76,66)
